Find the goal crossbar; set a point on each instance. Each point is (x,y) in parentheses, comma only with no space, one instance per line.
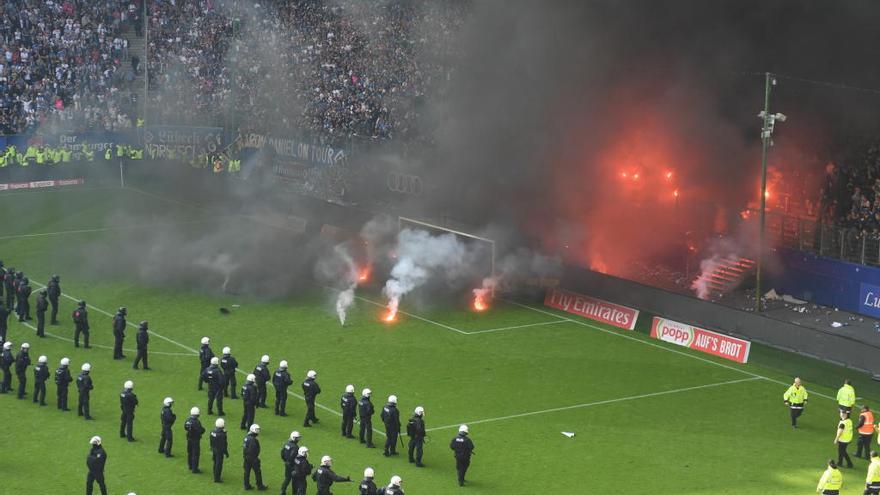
(401,220)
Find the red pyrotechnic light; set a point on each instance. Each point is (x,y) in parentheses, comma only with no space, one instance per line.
(363,274)
(675,193)
(668,175)
(636,176)
(390,316)
(767,194)
(480,303)
(623,174)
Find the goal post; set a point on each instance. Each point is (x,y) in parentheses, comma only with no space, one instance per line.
(404,222)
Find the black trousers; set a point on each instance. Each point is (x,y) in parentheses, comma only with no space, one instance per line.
(288,477)
(117,346)
(201,369)
(872,489)
(299,486)
(126,425)
(10,297)
(41,323)
(141,356)
(218,466)
(281,401)
(261,394)
(310,411)
(82,406)
(90,483)
(76,334)
(795,413)
(230,385)
(24,310)
(62,397)
(252,465)
(864,443)
(215,394)
(22,383)
(416,446)
(247,419)
(391,441)
(40,392)
(842,454)
(6,385)
(166,440)
(461,465)
(347,424)
(366,431)
(53,301)
(193,451)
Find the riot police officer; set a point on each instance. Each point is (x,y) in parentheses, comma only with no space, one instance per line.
(62,380)
(41,374)
(95,462)
(16,281)
(365,412)
(301,471)
(84,387)
(194,432)
(9,284)
(41,306)
(214,378)
(4,322)
(167,417)
(368,486)
(119,324)
(128,401)
(219,448)
(349,408)
(205,355)
(229,365)
(281,380)
(249,400)
(391,418)
(23,294)
(393,487)
(54,290)
(81,322)
(2,280)
(22,361)
(415,430)
(311,389)
(6,362)
(288,453)
(325,477)
(251,451)
(261,372)
(142,341)
(463,448)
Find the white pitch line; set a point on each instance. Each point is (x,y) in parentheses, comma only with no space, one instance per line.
(104,229)
(414,316)
(674,351)
(67,339)
(543,323)
(597,403)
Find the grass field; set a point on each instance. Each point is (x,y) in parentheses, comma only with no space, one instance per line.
(648,417)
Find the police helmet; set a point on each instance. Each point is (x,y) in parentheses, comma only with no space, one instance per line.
(168,401)
(303,451)
(366,392)
(368,473)
(392,399)
(396,481)
(294,435)
(86,367)
(7,345)
(43,292)
(144,324)
(226,351)
(65,362)
(56,278)
(206,341)
(255,428)
(265,359)
(128,385)
(420,411)
(220,423)
(122,310)
(312,374)
(25,346)
(463,429)
(42,359)
(283,365)
(25,280)
(96,440)
(215,360)
(194,411)
(81,304)
(349,389)
(326,460)
(251,378)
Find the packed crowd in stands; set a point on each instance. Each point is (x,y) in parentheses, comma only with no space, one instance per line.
(63,63)
(851,193)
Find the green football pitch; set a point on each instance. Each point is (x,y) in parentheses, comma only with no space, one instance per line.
(648,417)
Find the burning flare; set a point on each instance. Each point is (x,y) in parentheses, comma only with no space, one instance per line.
(483,294)
(363,274)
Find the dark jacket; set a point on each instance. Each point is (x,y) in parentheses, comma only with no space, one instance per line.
(251,447)
(205,355)
(54,289)
(128,401)
(368,487)
(348,404)
(194,428)
(281,379)
(62,376)
(391,417)
(249,394)
(218,442)
(261,372)
(42,304)
(310,388)
(6,359)
(213,377)
(229,364)
(96,459)
(81,318)
(415,428)
(365,409)
(325,477)
(41,373)
(289,452)
(119,325)
(462,446)
(84,383)
(22,361)
(167,416)
(143,338)
(301,467)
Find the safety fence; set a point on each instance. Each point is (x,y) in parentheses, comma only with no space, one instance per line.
(824,239)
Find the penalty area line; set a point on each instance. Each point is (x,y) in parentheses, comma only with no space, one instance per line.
(104,229)
(502,329)
(597,403)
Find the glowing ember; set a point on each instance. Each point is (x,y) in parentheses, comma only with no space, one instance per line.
(390,316)
(363,275)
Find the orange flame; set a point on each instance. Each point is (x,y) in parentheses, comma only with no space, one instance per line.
(675,193)
(363,274)
(390,316)
(480,303)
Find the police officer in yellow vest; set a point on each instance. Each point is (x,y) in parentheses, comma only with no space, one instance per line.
(872,481)
(846,396)
(831,480)
(234,165)
(796,399)
(88,154)
(843,438)
(866,431)
(108,154)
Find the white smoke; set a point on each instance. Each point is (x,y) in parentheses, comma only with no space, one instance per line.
(483,293)
(707,267)
(221,264)
(345,298)
(343,301)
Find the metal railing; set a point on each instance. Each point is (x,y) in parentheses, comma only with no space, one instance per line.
(831,241)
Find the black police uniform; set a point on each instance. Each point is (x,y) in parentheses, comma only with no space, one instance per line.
(62,380)
(16,280)
(95,462)
(6,362)
(288,454)
(368,487)
(281,380)
(391,490)
(84,386)
(349,408)
(463,448)
(2,281)
(415,429)
(194,432)
(261,372)
(311,389)
(391,417)
(214,378)
(22,361)
(41,306)
(325,477)
(205,355)
(4,323)
(81,322)
(143,340)
(119,324)
(168,418)
(301,471)
(9,283)
(54,290)
(365,412)
(41,374)
(128,401)
(219,450)
(249,400)
(251,450)
(229,365)
(24,302)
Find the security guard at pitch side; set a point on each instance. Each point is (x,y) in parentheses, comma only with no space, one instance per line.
(194,432)
(81,322)
(302,468)
(872,481)
(42,305)
(831,480)
(796,399)
(62,380)
(167,417)
(142,340)
(365,412)
(843,438)
(205,355)
(281,380)
(846,397)
(866,431)
(119,324)
(4,322)
(219,448)
(22,361)
(6,362)
(54,290)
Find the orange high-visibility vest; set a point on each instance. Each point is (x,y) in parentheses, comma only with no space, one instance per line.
(868,425)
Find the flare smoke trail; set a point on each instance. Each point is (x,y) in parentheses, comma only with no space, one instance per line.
(345,298)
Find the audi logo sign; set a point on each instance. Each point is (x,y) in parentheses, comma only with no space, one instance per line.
(411,185)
